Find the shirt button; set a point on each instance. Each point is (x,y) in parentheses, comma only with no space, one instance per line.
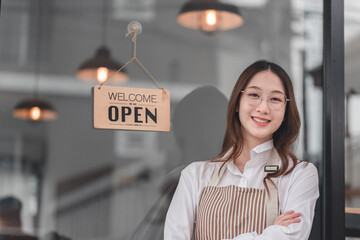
(243,181)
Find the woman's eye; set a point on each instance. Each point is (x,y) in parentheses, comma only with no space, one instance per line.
(253,95)
(275,99)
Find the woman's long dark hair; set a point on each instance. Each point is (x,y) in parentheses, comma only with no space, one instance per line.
(283,137)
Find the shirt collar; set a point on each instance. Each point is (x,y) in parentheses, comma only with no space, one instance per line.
(262,147)
(233,168)
(259,154)
(258,149)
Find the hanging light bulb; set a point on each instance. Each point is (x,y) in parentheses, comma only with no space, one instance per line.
(102,74)
(209,23)
(35,113)
(209,15)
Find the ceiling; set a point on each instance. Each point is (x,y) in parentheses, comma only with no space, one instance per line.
(64,33)
(67,32)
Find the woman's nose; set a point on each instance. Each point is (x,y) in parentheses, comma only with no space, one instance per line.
(263,106)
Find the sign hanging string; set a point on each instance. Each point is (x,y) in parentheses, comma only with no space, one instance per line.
(134,32)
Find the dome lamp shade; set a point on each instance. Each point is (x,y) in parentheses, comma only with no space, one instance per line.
(34,110)
(209,16)
(102,67)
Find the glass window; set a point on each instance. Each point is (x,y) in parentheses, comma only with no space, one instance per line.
(86,183)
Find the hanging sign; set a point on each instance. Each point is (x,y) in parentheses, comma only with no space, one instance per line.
(131,108)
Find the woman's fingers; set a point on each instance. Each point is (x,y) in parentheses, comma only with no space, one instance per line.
(291,216)
(287,218)
(290,221)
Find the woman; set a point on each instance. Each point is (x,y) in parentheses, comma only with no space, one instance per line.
(256,188)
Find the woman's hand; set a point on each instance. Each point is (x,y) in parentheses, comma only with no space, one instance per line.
(287,218)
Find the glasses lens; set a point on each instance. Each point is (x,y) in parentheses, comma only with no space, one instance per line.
(277,101)
(252,96)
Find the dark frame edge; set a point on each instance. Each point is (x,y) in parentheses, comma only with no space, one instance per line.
(334,123)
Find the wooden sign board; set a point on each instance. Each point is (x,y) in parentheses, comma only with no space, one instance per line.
(131,108)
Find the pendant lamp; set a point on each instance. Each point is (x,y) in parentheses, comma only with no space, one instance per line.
(209,15)
(35,109)
(102,66)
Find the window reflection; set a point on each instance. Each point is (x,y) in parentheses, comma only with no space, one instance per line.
(84,183)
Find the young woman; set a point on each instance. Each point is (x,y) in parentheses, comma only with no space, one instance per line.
(256,188)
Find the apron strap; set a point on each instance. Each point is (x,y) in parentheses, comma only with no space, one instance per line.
(216,176)
(272,207)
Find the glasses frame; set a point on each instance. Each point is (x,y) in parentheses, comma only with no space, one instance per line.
(267,100)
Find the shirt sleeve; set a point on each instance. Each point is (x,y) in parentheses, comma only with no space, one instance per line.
(179,221)
(301,197)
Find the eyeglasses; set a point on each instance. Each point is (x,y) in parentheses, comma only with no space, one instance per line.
(275,100)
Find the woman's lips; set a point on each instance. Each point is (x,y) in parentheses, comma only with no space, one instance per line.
(260,121)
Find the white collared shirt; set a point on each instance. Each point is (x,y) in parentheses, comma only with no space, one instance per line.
(297,191)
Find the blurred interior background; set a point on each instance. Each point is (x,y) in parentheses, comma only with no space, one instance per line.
(86,183)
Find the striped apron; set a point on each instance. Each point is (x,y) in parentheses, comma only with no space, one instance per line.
(226,212)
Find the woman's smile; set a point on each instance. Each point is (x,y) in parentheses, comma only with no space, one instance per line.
(261,121)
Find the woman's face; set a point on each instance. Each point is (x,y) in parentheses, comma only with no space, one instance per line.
(259,122)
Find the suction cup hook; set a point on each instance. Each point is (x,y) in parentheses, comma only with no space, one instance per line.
(134,26)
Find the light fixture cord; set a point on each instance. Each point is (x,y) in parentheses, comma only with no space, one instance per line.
(38,52)
(105,13)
